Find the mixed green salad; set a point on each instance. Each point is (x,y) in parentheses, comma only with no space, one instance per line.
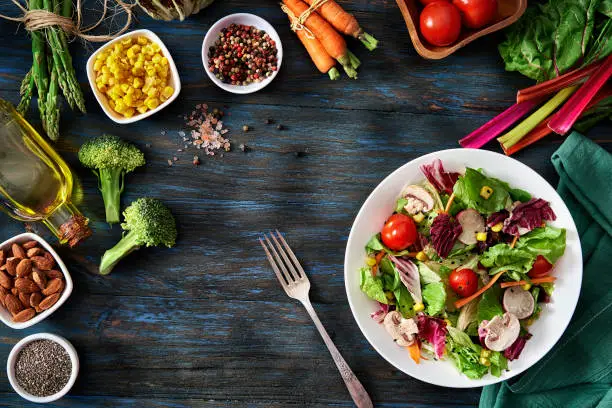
(462,267)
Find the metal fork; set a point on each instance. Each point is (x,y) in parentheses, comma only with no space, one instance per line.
(295,282)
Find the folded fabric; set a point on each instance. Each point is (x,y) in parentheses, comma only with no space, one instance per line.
(577,372)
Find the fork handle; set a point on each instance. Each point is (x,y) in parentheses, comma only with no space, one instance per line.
(358,393)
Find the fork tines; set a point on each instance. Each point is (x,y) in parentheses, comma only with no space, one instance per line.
(286,266)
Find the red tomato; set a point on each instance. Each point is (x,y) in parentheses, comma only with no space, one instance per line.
(476,13)
(463,282)
(426,2)
(540,268)
(440,23)
(399,232)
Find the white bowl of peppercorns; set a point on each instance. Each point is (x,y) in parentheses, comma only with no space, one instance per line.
(42,367)
(242,53)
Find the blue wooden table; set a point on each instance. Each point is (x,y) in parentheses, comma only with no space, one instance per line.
(205,323)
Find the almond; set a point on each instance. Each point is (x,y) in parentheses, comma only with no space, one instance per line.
(11,265)
(29,244)
(53,286)
(18,251)
(38,309)
(26,285)
(54,273)
(24,268)
(40,278)
(2,257)
(24,299)
(5,280)
(35,299)
(13,304)
(24,315)
(42,262)
(14,291)
(49,301)
(3,293)
(34,252)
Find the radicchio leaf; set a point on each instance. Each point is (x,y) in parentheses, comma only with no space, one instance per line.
(440,179)
(513,352)
(527,216)
(409,275)
(497,217)
(380,314)
(433,331)
(444,231)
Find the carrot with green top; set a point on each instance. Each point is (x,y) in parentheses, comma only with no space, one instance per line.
(320,57)
(333,42)
(344,22)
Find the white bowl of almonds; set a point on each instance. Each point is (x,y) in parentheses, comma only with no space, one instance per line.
(133,76)
(34,282)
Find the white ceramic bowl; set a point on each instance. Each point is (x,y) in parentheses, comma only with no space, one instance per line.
(12,359)
(175,80)
(5,315)
(380,205)
(245,19)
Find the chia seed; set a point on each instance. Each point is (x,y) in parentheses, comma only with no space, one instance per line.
(43,368)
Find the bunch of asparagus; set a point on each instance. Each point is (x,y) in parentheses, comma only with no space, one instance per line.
(51,70)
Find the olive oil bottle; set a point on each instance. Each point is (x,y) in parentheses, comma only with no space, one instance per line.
(35,182)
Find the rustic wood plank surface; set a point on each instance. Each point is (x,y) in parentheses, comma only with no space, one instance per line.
(205,323)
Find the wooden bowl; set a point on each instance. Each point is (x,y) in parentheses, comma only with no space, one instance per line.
(508,11)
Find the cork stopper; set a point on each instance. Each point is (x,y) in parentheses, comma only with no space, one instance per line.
(75,230)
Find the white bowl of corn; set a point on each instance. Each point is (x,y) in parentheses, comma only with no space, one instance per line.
(133,76)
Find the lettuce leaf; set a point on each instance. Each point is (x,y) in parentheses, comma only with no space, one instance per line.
(434,297)
(467,191)
(489,305)
(427,274)
(375,245)
(465,354)
(503,258)
(390,275)
(372,286)
(548,242)
(404,301)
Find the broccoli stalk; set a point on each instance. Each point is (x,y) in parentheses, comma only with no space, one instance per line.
(110,158)
(148,222)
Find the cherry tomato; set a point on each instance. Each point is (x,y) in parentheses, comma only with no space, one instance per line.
(540,268)
(399,232)
(476,13)
(440,23)
(426,2)
(463,282)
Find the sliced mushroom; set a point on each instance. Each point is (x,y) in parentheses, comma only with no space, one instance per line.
(419,200)
(471,223)
(519,302)
(402,330)
(501,332)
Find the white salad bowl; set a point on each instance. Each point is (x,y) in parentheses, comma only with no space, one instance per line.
(246,19)
(555,317)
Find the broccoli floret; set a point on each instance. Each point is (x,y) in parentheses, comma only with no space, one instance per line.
(110,158)
(148,222)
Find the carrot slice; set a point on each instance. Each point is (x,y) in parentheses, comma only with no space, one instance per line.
(545,279)
(379,256)
(462,302)
(415,351)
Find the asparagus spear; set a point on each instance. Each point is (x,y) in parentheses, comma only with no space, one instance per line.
(75,92)
(52,110)
(27,87)
(40,71)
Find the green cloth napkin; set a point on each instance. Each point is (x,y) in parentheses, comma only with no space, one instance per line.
(577,372)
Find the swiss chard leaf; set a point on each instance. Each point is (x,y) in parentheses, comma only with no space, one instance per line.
(468,187)
(548,242)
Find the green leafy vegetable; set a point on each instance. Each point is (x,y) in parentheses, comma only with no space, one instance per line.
(434,297)
(455,207)
(498,363)
(427,274)
(401,203)
(548,242)
(489,305)
(460,249)
(465,354)
(375,245)
(404,301)
(390,274)
(550,39)
(372,286)
(548,288)
(467,191)
(503,258)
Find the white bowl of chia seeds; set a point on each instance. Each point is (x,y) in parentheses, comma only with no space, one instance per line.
(42,367)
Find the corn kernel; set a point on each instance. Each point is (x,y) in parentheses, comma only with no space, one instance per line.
(418,307)
(155,47)
(418,218)
(485,361)
(485,353)
(128,100)
(481,236)
(389,295)
(485,192)
(125,87)
(421,256)
(137,94)
(129,112)
(111,103)
(164,61)
(142,109)
(112,81)
(167,91)
(448,322)
(101,87)
(497,227)
(156,58)
(97,65)
(152,103)
(120,106)
(142,40)
(526,286)
(127,41)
